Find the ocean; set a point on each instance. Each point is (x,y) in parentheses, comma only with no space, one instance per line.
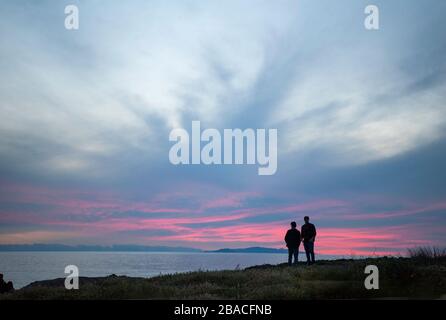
(22,268)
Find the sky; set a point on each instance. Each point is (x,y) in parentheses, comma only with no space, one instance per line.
(85,117)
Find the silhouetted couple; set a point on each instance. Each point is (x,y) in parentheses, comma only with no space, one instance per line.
(293,238)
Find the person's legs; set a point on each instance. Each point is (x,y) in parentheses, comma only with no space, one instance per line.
(307,251)
(296,255)
(311,249)
(290,256)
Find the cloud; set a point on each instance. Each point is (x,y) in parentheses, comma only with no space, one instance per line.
(75,100)
(379,225)
(78,98)
(356,111)
(27,237)
(85,117)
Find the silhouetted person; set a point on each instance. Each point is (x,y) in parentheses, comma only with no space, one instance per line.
(292,239)
(308,233)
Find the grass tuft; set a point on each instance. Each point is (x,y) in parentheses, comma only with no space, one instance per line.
(428,254)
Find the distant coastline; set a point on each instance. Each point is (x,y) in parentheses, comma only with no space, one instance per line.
(126,248)
(90,248)
(249,250)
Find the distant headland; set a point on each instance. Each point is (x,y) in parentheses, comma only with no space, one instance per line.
(126,248)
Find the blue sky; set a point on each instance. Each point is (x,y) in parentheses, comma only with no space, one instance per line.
(86,115)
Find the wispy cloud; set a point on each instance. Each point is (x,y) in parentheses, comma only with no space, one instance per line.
(57,215)
(85,117)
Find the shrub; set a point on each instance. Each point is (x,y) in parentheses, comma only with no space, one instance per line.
(428,254)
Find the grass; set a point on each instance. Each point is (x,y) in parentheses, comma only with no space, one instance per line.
(422,275)
(428,254)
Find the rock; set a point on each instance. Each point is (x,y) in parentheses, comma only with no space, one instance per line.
(5,287)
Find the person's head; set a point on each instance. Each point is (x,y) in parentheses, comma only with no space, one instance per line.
(306,219)
(293,225)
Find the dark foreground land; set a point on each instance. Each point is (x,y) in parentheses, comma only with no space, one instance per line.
(339,279)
